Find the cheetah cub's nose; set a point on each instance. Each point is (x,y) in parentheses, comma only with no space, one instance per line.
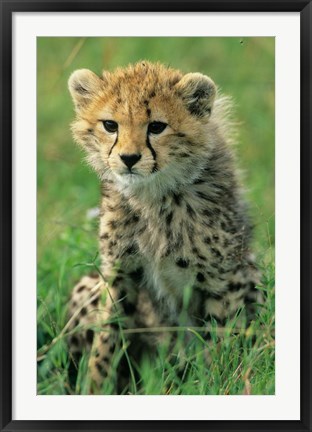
(130,159)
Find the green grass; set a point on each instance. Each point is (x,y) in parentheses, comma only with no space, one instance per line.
(67,189)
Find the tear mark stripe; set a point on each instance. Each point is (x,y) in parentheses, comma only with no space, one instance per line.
(116,140)
(148,144)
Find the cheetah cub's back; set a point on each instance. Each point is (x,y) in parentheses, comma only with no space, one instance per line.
(172,215)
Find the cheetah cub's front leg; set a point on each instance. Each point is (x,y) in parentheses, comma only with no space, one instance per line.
(90,310)
(97,315)
(82,313)
(110,302)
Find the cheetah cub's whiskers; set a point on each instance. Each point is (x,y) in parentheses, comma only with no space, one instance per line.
(172,219)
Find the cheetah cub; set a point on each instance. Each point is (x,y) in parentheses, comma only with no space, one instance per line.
(172,218)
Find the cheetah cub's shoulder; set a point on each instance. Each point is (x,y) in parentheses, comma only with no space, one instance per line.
(172,214)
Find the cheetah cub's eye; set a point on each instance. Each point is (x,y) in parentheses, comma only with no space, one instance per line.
(110,125)
(156,127)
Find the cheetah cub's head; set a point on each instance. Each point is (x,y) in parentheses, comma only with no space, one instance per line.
(143,122)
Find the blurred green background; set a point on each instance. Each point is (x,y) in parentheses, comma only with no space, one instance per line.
(243,68)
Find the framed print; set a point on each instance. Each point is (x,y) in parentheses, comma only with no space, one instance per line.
(155,204)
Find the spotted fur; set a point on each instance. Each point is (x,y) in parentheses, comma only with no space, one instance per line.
(172,214)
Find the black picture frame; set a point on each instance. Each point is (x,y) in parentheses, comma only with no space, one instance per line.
(7,9)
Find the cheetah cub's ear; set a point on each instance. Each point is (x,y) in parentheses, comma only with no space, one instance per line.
(198,92)
(83,86)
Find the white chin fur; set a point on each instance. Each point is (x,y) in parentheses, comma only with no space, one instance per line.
(128,179)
